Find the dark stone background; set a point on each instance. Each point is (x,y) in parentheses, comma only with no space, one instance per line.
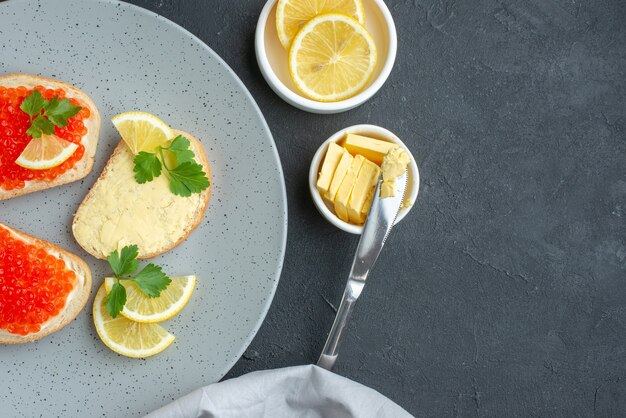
(503,292)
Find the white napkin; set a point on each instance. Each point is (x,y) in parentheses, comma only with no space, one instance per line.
(301,391)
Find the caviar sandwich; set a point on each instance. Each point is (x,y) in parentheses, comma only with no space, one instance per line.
(48,134)
(43,287)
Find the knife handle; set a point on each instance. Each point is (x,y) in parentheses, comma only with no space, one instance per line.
(330,352)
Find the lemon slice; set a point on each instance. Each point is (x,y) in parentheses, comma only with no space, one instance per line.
(332,58)
(126,337)
(45,152)
(141,308)
(142,131)
(291,15)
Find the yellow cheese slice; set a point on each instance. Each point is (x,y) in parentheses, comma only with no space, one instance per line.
(331,160)
(365,210)
(365,183)
(372,149)
(340,172)
(345,190)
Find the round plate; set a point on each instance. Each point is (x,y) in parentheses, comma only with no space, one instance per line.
(126,58)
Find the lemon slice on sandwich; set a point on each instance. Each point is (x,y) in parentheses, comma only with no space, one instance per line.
(45,152)
(142,131)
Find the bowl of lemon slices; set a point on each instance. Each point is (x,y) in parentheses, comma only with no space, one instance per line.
(325,56)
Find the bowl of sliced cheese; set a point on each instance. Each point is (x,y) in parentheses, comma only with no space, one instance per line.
(344,171)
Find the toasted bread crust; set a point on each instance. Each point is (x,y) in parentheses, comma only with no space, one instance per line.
(72,308)
(206,194)
(201,159)
(89,140)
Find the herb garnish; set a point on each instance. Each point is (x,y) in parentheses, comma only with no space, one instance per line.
(186,176)
(150,280)
(55,113)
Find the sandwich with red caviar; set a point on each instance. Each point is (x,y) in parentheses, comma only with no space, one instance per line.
(42,287)
(48,134)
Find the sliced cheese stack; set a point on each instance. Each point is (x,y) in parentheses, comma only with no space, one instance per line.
(349,174)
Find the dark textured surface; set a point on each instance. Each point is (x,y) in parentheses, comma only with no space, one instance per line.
(503,292)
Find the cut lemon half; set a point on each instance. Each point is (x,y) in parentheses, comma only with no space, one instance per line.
(142,131)
(332,58)
(141,308)
(126,337)
(292,15)
(45,152)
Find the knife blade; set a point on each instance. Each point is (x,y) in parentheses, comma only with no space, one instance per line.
(380,221)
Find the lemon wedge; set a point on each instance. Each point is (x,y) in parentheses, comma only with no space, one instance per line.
(126,337)
(332,58)
(142,131)
(141,308)
(45,152)
(292,15)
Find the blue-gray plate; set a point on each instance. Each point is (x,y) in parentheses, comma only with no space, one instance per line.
(126,58)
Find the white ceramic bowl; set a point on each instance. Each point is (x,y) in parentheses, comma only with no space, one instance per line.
(273,58)
(372,131)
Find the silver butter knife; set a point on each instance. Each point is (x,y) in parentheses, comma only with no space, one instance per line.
(379,222)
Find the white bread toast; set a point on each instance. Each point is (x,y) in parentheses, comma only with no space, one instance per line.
(76,299)
(89,140)
(118,211)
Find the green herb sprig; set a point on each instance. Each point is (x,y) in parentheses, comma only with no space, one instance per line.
(186,176)
(55,113)
(150,280)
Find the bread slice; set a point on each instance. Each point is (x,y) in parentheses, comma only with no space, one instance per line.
(76,299)
(118,211)
(89,140)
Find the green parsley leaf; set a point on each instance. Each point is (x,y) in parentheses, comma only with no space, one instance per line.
(115,300)
(124,263)
(39,126)
(180,148)
(147,167)
(55,113)
(59,111)
(151,280)
(33,103)
(188,178)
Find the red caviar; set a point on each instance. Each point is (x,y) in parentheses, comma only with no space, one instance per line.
(13,139)
(34,285)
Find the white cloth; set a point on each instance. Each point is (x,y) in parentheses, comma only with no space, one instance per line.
(301,391)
